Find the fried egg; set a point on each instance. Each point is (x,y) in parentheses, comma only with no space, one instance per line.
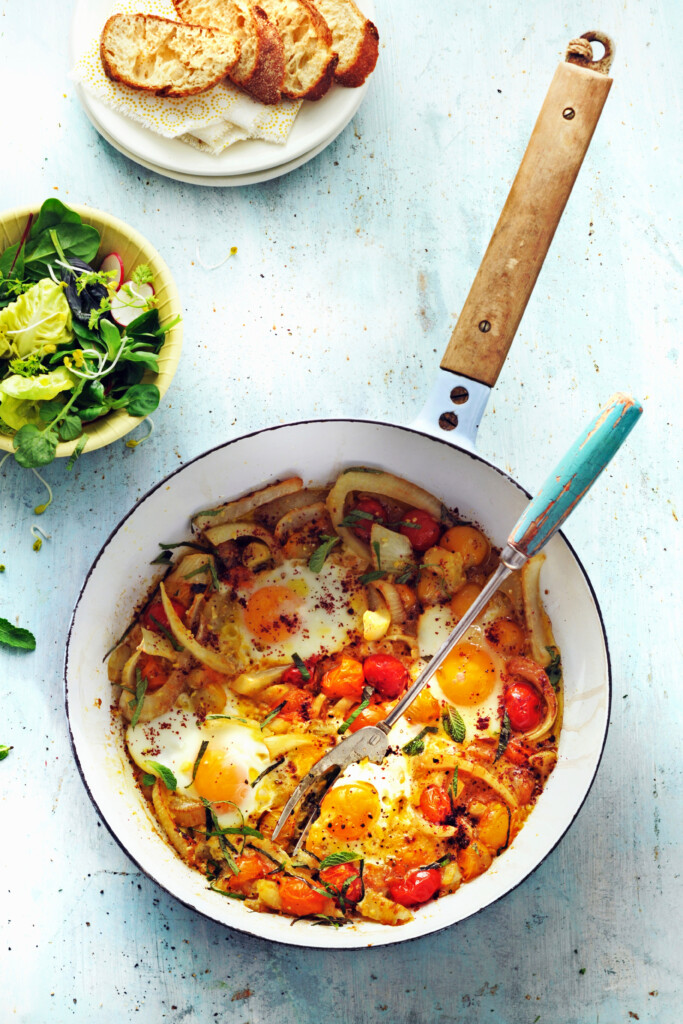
(291,610)
(470,678)
(234,758)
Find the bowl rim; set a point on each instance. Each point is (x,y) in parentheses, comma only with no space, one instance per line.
(299,939)
(115,425)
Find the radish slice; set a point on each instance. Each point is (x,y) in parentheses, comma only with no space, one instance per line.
(130,301)
(113,264)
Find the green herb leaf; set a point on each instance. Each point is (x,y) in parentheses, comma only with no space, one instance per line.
(453,724)
(354,517)
(4,751)
(70,428)
(200,755)
(227,849)
(273,714)
(343,857)
(33,447)
(242,830)
(352,717)
(77,452)
(140,691)
(167,633)
(299,663)
(453,790)
(148,780)
(317,559)
(417,744)
(375,548)
(554,669)
(370,577)
(163,558)
(230,718)
(15,636)
(164,773)
(266,771)
(504,738)
(225,892)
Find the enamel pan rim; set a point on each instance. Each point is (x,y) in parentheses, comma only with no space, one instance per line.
(265,430)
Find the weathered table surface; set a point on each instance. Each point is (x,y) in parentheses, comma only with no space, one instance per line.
(348,279)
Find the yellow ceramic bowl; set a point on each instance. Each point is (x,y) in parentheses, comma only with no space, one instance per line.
(133,250)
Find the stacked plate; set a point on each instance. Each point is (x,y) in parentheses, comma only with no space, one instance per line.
(244,163)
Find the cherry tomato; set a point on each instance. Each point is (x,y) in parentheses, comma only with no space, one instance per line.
(152,669)
(426,531)
(373,508)
(524,706)
(298,705)
(299,899)
(518,751)
(339,874)
(251,867)
(435,804)
(417,886)
(387,674)
(293,674)
(369,716)
(156,611)
(344,680)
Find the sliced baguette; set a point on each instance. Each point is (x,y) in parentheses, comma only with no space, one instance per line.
(310,61)
(261,66)
(354,38)
(165,57)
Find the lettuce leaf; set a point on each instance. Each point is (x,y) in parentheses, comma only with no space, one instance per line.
(41,316)
(20,397)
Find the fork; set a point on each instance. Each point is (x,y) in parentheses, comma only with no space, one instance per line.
(560,494)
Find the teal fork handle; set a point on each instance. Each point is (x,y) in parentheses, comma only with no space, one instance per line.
(574,476)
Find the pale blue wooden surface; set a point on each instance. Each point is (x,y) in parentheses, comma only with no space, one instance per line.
(348,280)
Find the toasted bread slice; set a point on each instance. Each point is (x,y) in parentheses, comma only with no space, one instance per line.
(310,61)
(165,57)
(354,38)
(261,67)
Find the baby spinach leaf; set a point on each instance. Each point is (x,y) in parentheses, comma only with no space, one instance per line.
(142,399)
(70,428)
(15,636)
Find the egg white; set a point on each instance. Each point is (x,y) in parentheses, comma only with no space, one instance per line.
(174,740)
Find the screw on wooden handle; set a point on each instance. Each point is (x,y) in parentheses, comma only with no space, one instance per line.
(521,239)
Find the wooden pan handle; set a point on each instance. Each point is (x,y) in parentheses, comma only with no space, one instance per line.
(506,278)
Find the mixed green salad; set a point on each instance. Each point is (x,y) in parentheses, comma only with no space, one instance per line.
(75,341)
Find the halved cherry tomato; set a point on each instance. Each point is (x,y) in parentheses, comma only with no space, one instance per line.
(373,508)
(387,674)
(156,611)
(252,866)
(152,669)
(369,716)
(518,751)
(524,706)
(298,705)
(293,674)
(344,680)
(435,804)
(426,531)
(299,899)
(339,874)
(417,886)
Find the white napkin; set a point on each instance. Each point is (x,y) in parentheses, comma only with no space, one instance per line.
(210,121)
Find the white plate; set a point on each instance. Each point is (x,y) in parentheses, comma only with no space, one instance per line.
(215,181)
(316,125)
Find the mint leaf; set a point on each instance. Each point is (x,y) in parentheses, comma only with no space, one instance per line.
(453,724)
(140,691)
(343,857)
(164,773)
(554,669)
(4,751)
(299,663)
(148,780)
(417,744)
(317,559)
(504,738)
(15,636)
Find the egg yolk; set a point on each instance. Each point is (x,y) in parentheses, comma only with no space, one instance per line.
(468,542)
(219,780)
(467,676)
(272,613)
(350,811)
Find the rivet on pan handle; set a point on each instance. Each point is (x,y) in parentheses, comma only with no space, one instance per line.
(506,278)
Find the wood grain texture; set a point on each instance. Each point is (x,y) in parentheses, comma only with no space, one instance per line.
(501,290)
(348,278)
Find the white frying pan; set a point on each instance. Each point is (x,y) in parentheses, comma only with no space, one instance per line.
(426,453)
